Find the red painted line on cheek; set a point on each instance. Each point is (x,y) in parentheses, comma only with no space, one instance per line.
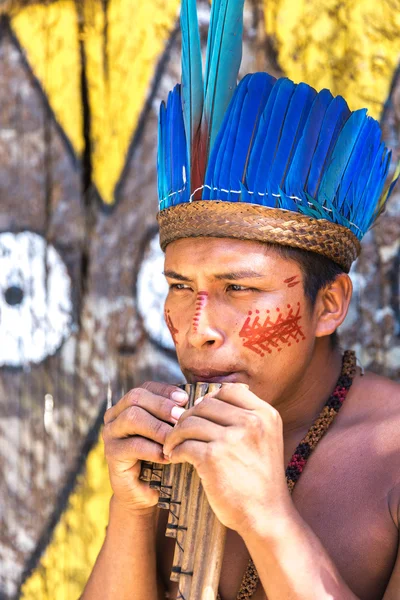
(173,331)
(291,281)
(265,336)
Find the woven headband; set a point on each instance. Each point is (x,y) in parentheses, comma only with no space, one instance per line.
(257,223)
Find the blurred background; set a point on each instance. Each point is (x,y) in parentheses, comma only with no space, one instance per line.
(81,290)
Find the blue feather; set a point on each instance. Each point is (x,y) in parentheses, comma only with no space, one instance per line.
(192,76)
(286,203)
(222,176)
(352,167)
(335,117)
(297,113)
(275,110)
(224,54)
(218,153)
(340,155)
(366,158)
(373,189)
(176,151)
(258,145)
(259,88)
(161,153)
(298,172)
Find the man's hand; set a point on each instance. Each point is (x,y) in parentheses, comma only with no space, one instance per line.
(135,429)
(234,440)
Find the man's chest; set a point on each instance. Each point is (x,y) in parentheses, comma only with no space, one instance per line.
(342,496)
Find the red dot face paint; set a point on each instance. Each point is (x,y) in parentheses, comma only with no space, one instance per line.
(173,331)
(201,301)
(263,335)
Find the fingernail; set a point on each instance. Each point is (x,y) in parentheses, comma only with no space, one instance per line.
(177,412)
(198,400)
(179,396)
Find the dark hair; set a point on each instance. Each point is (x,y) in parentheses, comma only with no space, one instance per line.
(318,271)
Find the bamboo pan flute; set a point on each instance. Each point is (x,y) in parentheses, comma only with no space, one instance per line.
(200,537)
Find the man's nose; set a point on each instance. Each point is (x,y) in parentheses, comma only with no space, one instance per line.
(204,329)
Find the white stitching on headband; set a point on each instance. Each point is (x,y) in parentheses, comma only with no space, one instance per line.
(216,189)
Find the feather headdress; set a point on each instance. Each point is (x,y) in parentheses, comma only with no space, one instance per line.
(268,159)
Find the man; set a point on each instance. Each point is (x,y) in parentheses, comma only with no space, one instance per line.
(262,205)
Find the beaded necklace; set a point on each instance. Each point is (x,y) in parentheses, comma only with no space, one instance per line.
(303,451)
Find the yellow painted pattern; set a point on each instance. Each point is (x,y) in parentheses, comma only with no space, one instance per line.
(78,537)
(122,49)
(49,36)
(351,47)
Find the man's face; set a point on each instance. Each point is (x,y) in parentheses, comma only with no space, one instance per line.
(237,312)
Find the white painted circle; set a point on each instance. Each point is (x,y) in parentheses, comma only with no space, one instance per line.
(152,290)
(35,299)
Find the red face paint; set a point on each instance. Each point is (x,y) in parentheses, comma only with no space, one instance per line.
(173,331)
(263,336)
(292,281)
(201,301)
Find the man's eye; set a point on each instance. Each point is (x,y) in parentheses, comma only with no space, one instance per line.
(179,286)
(240,288)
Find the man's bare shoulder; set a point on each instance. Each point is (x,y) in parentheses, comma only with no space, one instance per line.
(377,410)
(375,399)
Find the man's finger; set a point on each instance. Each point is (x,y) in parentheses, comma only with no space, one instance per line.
(238,394)
(157,405)
(214,409)
(137,421)
(190,451)
(167,390)
(129,450)
(193,428)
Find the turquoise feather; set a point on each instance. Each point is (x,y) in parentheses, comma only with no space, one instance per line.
(341,154)
(335,117)
(224,54)
(192,74)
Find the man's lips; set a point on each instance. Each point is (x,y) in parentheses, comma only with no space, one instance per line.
(213,376)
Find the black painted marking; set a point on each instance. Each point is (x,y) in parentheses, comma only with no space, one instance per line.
(14,295)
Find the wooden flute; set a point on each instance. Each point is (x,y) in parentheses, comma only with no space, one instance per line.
(199,535)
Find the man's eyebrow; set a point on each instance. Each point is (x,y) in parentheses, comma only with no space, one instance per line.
(236,275)
(230,276)
(178,276)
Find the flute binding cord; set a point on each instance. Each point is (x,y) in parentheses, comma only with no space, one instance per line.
(303,452)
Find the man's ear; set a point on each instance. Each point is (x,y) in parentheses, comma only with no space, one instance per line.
(332,305)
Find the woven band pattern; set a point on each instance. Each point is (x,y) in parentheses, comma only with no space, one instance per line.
(240,220)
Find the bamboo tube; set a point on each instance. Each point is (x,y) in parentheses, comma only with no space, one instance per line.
(191,482)
(191,538)
(175,501)
(204,545)
(146,470)
(156,476)
(182,525)
(164,500)
(200,537)
(209,554)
